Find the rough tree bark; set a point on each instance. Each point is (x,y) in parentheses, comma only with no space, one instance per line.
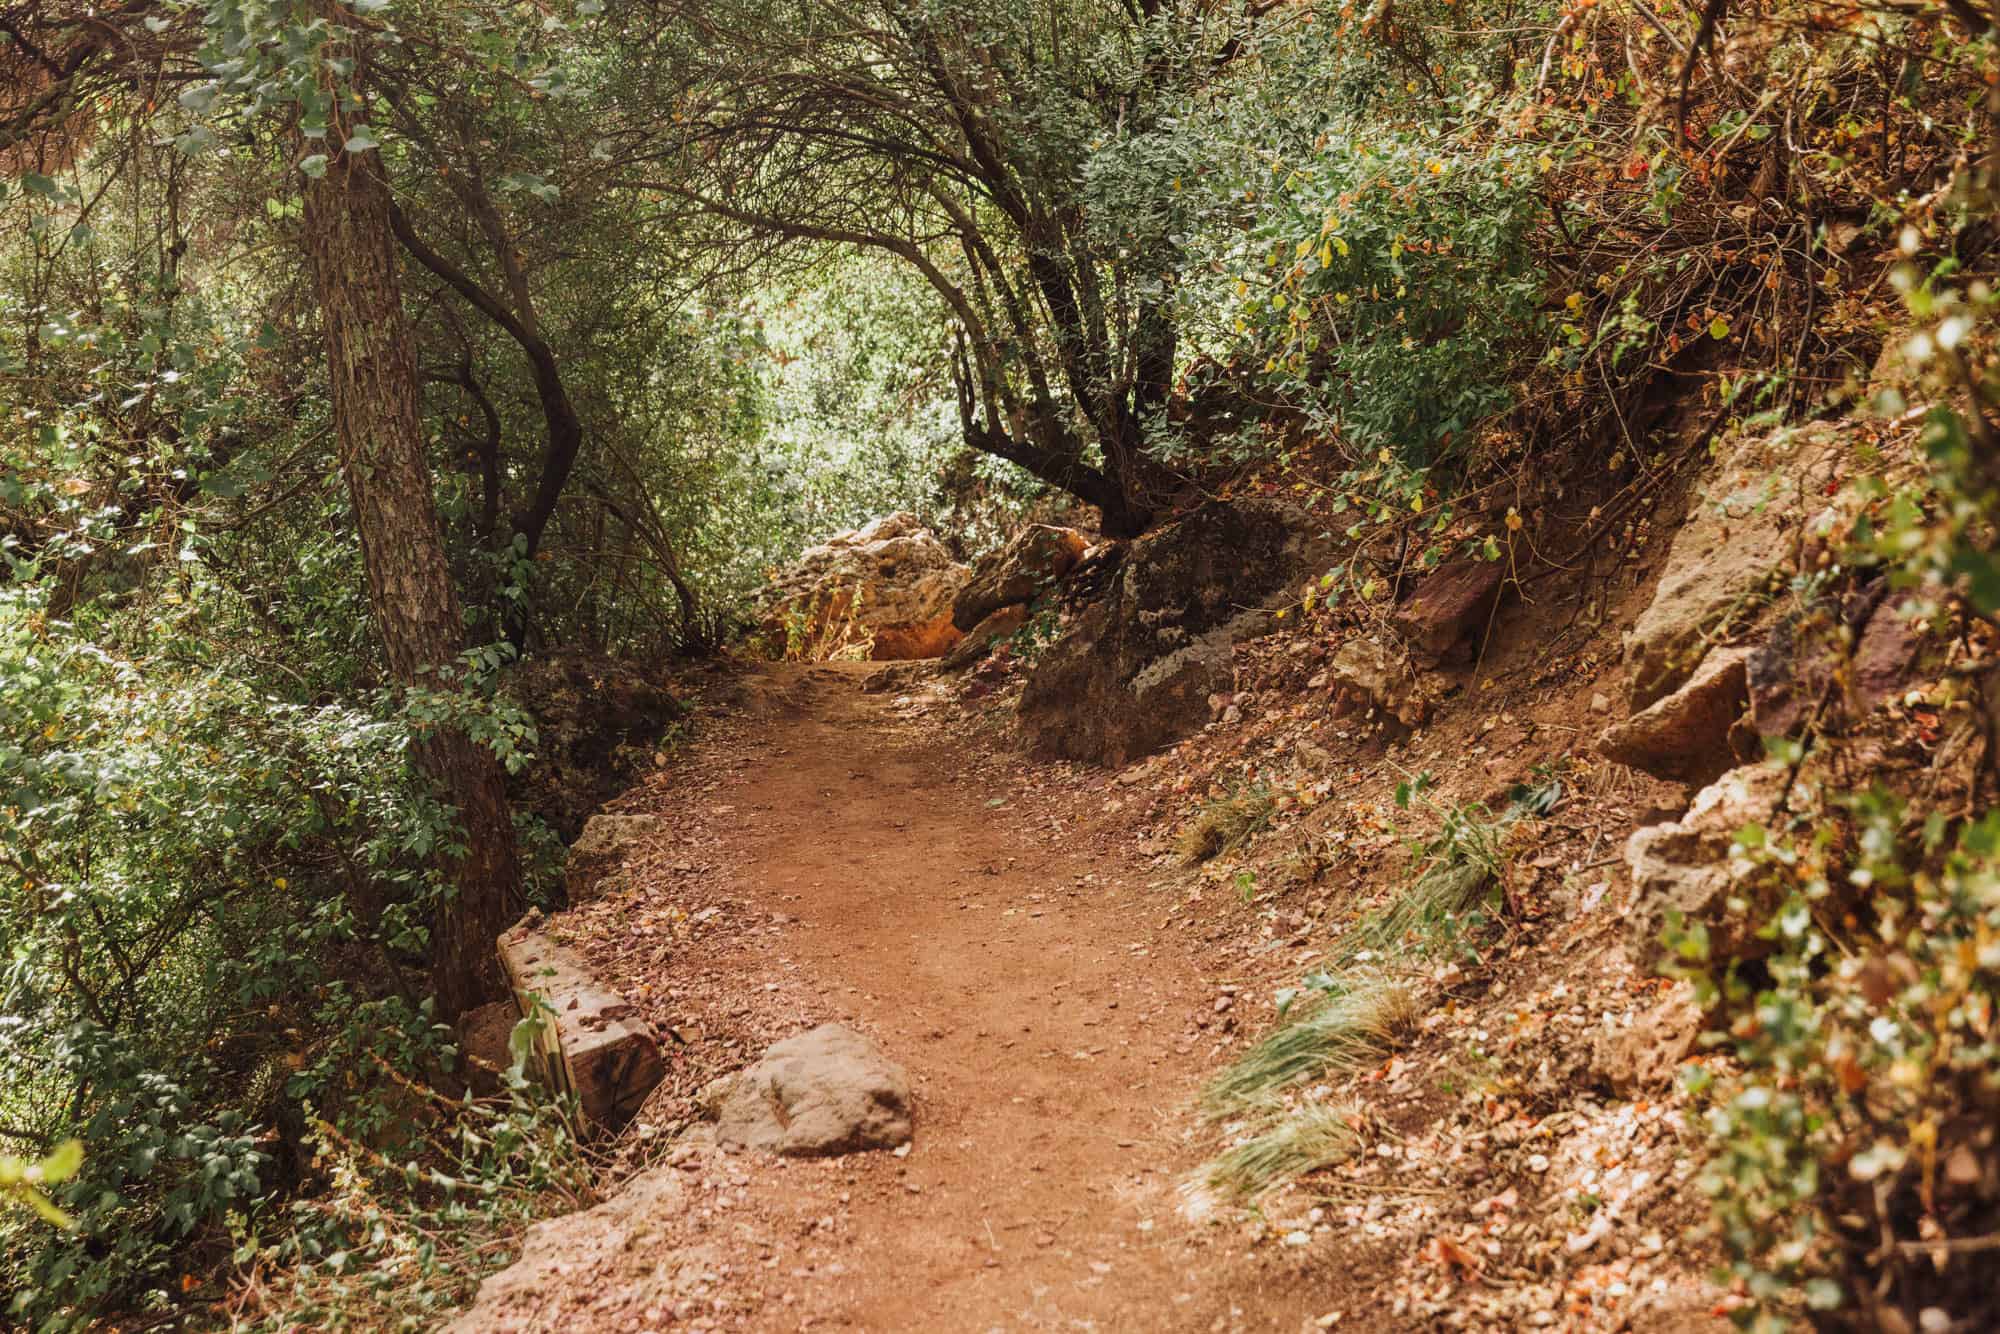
(371,363)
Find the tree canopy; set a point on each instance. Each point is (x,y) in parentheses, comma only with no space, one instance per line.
(355,351)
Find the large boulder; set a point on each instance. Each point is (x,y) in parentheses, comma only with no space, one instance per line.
(1135,669)
(885,589)
(1038,556)
(1688,866)
(1744,524)
(1685,736)
(827,1091)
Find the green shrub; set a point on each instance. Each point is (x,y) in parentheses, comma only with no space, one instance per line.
(1851,1143)
(216,905)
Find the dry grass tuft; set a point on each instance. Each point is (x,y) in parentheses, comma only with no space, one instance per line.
(1224,824)
(1351,1024)
(1299,1140)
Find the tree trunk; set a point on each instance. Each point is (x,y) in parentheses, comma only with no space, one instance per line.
(372,365)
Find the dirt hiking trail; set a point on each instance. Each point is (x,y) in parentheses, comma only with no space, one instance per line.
(871,868)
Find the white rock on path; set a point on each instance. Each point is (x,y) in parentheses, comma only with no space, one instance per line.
(825,1092)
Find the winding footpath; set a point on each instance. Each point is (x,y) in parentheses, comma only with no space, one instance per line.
(1019,968)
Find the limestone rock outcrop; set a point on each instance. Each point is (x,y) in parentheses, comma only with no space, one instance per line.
(1037,557)
(884,591)
(1686,735)
(1756,507)
(1688,867)
(980,639)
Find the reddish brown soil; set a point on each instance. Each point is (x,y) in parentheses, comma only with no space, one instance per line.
(868,868)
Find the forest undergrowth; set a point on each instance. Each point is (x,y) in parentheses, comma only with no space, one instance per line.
(664,290)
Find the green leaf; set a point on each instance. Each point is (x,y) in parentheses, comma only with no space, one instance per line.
(1718,328)
(361,140)
(313,166)
(64,1161)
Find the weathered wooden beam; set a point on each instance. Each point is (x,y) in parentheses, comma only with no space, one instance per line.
(591,1043)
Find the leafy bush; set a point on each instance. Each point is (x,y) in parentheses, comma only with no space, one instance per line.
(219,899)
(1356,239)
(1852,1150)
(1852,1145)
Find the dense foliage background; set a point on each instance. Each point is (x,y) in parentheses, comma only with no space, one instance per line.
(693,284)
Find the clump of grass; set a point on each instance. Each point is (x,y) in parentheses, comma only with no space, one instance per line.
(1350,1024)
(1350,1014)
(1444,891)
(1302,1139)
(1225,823)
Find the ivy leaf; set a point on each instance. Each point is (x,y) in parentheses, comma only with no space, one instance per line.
(314,166)
(361,140)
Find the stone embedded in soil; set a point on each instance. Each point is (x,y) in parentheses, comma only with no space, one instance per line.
(1643,1053)
(1685,736)
(1366,674)
(827,1091)
(981,638)
(1741,528)
(1451,602)
(604,844)
(1684,865)
(618,1252)
(588,1044)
